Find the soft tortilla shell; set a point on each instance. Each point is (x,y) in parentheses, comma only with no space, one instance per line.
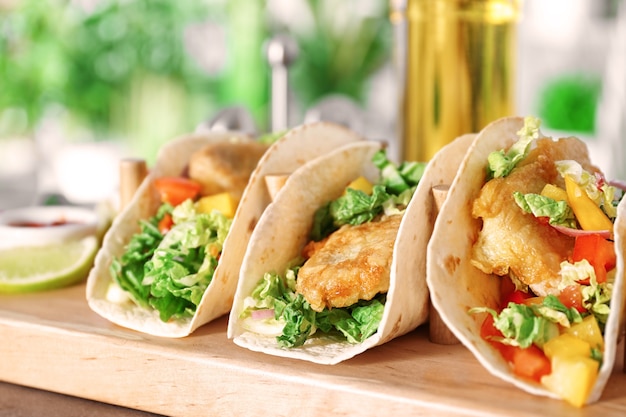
(283,231)
(285,155)
(455,285)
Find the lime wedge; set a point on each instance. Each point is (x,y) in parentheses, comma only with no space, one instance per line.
(37,268)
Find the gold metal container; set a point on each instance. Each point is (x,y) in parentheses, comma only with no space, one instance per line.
(457,62)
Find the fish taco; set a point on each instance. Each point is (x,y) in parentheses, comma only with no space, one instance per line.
(525,265)
(170,261)
(336,264)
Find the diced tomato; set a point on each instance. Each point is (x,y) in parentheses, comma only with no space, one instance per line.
(571,296)
(531,363)
(596,249)
(166,223)
(175,190)
(528,362)
(600,253)
(517,297)
(488,331)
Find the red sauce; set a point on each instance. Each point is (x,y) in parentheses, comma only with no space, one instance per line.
(37,224)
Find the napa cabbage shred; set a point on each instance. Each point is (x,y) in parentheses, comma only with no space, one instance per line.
(170,271)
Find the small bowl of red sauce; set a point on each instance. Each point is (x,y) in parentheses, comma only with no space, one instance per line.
(41,225)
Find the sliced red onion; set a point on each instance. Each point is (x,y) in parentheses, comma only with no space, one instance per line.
(600,180)
(578,232)
(262,314)
(618,184)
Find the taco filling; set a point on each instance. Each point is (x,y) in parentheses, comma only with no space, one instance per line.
(547,230)
(170,262)
(337,286)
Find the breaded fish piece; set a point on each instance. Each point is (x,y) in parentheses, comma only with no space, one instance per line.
(510,239)
(351,264)
(225,166)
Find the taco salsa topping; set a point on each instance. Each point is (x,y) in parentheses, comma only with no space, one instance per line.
(547,230)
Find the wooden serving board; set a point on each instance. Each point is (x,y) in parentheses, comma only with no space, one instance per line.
(53,341)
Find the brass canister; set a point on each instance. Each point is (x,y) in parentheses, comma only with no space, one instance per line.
(457,61)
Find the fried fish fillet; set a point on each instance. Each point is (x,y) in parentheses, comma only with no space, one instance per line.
(225,166)
(351,264)
(513,241)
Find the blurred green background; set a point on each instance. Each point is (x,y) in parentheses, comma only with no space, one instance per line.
(141,72)
(144,71)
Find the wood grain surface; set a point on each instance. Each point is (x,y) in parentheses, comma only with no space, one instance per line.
(52,341)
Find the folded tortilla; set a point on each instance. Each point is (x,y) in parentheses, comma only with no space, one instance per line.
(456,285)
(287,154)
(284,229)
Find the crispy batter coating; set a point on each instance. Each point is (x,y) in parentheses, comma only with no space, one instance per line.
(351,264)
(514,241)
(225,166)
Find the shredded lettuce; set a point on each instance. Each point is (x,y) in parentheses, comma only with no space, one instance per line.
(397,203)
(184,211)
(553,309)
(500,164)
(356,207)
(392,192)
(558,212)
(596,297)
(296,321)
(571,273)
(397,179)
(523,325)
(128,270)
(171,273)
(357,322)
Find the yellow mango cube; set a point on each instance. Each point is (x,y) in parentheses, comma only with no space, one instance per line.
(554,192)
(572,378)
(588,214)
(362,184)
(225,203)
(587,330)
(566,345)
